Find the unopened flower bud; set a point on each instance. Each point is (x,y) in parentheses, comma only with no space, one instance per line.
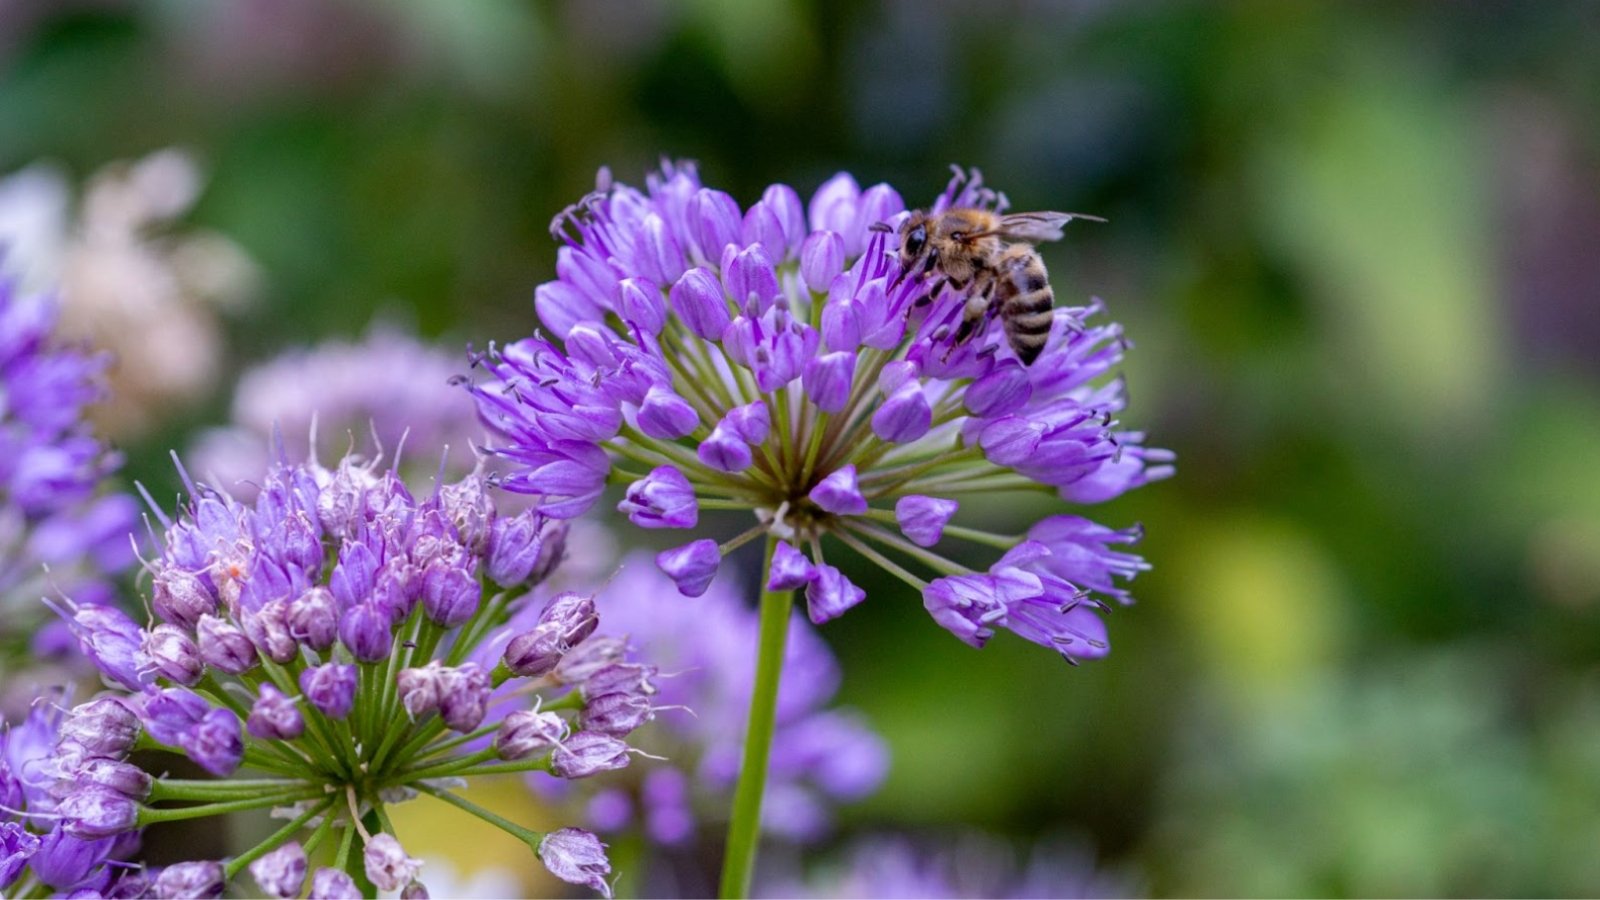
(124,778)
(387,865)
(95,811)
(282,872)
(613,678)
(180,597)
(268,629)
(525,732)
(106,726)
(464,696)
(314,618)
(173,654)
(205,878)
(573,614)
(586,753)
(333,884)
(419,689)
(331,688)
(364,629)
(274,716)
(216,744)
(225,646)
(692,566)
(616,714)
(576,857)
(450,596)
(515,546)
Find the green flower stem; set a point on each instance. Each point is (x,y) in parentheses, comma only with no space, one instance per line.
(1001,541)
(744,828)
(527,836)
(322,831)
(343,861)
(541,763)
(888,564)
(440,770)
(237,864)
(887,538)
(149,816)
(205,789)
(458,740)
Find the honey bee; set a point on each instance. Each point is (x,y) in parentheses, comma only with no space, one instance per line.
(991,256)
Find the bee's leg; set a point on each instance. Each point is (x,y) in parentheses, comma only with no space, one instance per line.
(927,297)
(976,311)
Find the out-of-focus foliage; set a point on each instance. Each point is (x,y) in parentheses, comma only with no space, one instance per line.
(1354,243)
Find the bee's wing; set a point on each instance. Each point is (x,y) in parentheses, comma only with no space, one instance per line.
(1036,227)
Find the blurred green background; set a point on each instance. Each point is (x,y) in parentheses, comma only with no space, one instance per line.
(1355,249)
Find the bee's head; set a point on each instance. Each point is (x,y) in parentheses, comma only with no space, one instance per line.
(913,239)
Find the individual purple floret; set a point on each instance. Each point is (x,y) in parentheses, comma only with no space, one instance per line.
(330,648)
(780,359)
(699,651)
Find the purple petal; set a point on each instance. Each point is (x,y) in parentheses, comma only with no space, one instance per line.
(791,568)
(922,519)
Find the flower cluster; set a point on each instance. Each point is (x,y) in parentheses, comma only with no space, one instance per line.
(327,638)
(779,360)
(329,390)
(819,754)
(59,531)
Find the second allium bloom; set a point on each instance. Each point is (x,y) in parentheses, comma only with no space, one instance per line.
(777,359)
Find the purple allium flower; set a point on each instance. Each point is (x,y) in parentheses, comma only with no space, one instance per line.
(819,755)
(782,360)
(348,671)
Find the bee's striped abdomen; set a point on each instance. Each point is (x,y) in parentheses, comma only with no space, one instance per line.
(1025,302)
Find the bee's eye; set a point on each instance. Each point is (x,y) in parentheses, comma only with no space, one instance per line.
(915,240)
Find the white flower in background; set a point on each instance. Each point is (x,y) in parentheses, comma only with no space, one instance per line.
(129,282)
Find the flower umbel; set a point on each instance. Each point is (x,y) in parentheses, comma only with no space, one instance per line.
(778,360)
(331,637)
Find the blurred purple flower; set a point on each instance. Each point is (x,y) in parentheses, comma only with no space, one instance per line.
(62,533)
(386,387)
(972,866)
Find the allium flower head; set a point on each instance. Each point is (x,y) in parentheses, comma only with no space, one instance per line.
(778,360)
(821,755)
(60,532)
(329,638)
